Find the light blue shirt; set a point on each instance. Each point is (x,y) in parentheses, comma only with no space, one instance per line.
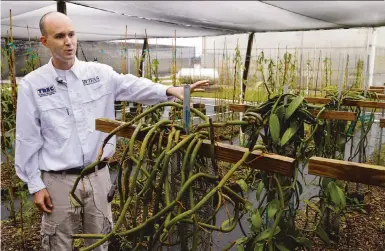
(55,122)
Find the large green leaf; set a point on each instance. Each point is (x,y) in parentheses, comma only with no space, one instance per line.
(259,190)
(293,106)
(323,235)
(240,247)
(304,241)
(258,247)
(289,133)
(336,195)
(243,185)
(274,127)
(273,208)
(256,220)
(265,234)
(281,247)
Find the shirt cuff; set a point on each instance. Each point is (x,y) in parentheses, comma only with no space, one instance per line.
(36,185)
(162,93)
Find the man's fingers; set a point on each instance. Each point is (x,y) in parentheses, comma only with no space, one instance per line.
(42,200)
(41,206)
(48,201)
(200,84)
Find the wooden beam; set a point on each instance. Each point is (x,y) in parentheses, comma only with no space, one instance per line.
(228,153)
(316,100)
(349,171)
(238,108)
(382,123)
(377,87)
(381,96)
(337,115)
(370,90)
(368,104)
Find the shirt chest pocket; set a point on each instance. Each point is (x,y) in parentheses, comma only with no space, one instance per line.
(96,103)
(56,121)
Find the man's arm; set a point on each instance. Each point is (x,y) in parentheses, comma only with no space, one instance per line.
(142,90)
(27,144)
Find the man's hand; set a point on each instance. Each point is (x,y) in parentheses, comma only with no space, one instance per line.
(42,201)
(177,91)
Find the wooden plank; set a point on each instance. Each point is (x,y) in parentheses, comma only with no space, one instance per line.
(368,104)
(381,96)
(349,171)
(316,100)
(382,123)
(377,87)
(268,162)
(337,115)
(370,90)
(238,108)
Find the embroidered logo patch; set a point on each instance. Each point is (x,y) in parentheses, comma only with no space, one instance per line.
(46,91)
(91,81)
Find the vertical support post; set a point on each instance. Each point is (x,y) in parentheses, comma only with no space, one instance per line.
(186,108)
(247,65)
(301,64)
(372,56)
(145,47)
(61,7)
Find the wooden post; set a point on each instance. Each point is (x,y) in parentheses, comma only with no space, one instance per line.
(12,62)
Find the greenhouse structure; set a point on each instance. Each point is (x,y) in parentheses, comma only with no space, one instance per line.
(220,125)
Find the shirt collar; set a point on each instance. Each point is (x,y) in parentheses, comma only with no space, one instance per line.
(75,68)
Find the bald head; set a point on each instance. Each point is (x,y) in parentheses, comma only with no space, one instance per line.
(51,17)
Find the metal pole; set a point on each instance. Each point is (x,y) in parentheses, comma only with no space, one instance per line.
(61,7)
(247,65)
(145,47)
(186,108)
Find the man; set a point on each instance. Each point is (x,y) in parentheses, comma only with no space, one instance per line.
(56,137)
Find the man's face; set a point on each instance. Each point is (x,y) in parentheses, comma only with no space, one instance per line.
(60,38)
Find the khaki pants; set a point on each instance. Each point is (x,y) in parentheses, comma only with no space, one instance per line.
(65,219)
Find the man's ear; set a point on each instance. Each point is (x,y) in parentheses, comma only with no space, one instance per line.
(43,40)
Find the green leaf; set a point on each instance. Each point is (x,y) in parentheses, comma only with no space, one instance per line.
(273,208)
(256,220)
(323,235)
(289,133)
(243,185)
(248,205)
(281,247)
(336,195)
(258,247)
(312,205)
(304,241)
(293,106)
(274,128)
(265,234)
(261,185)
(226,223)
(242,240)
